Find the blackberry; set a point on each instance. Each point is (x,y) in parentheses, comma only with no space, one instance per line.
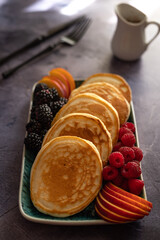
(54,94)
(44,115)
(33,126)
(43,96)
(33,142)
(43,133)
(33,116)
(39,87)
(63,99)
(56,106)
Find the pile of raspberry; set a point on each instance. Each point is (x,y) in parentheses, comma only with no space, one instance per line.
(123,167)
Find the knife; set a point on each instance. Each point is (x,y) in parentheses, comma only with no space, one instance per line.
(40,39)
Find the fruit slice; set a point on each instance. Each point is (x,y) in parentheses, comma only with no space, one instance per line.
(62,78)
(111,214)
(126,199)
(106,218)
(68,76)
(63,87)
(115,207)
(122,211)
(130,195)
(52,84)
(121,203)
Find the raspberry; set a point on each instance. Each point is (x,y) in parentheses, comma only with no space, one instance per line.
(116,159)
(124,185)
(128,153)
(118,180)
(128,139)
(109,172)
(135,186)
(123,131)
(137,162)
(138,153)
(131,170)
(117,146)
(130,126)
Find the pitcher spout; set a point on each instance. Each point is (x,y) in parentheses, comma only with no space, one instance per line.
(129,14)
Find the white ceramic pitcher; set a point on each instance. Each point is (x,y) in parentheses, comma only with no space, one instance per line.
(128,42)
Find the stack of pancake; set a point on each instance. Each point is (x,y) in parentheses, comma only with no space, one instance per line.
(67,173)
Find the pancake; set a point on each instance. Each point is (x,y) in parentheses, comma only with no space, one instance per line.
(114,79)
(66,176)
(85,126)
(96,106)
(110,93)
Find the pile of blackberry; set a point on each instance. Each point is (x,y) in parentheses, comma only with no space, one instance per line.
(46,103)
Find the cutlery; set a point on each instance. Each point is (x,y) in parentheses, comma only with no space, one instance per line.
(40,39)
(71,39)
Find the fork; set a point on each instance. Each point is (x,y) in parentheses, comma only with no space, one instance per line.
(71,39)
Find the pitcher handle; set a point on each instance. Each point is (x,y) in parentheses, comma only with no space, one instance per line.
(158,25)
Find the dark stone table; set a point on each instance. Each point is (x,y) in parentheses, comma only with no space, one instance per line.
(91,55)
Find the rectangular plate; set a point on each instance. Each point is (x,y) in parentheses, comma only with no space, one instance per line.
(86,217)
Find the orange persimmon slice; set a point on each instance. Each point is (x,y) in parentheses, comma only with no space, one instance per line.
(68,76)
(52,84)
(62,78)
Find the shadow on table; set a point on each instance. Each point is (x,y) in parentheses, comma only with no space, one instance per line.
(124,68)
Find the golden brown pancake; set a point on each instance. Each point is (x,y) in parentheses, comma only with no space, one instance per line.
(110,93)
(86,126)
(96,106)
(66,176)
(114,79)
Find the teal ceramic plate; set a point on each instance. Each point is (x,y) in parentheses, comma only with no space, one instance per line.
(86,217)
